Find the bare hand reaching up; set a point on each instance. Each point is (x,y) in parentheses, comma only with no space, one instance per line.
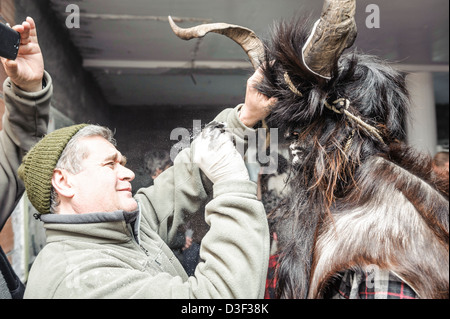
(256,106)
(27,71)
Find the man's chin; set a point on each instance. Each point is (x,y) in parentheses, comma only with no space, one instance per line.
(131,207)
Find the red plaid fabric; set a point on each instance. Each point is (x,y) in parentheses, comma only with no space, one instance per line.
(271,281)
(370,284)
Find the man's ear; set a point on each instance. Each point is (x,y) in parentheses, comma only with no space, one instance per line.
(61,183)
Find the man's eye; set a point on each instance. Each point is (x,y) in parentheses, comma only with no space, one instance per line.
(111,164)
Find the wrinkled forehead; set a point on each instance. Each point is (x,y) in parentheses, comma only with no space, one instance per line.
(98,148)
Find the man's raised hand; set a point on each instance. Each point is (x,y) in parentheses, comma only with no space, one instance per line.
(27,71)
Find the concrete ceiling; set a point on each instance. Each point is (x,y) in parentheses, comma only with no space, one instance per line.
(131,51)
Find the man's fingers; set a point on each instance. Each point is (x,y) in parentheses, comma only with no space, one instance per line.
(26,29)
(10,66)
(25,35)
(33,31)
(272,101)
(31,22)
(19,28)
(256,78)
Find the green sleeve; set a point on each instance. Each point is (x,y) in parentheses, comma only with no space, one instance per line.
(25,121)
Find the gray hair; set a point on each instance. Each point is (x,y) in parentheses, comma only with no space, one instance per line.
(75,152)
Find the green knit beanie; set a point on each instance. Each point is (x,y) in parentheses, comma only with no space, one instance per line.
(38,165)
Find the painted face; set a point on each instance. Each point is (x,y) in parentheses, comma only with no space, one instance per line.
(298,147)
(103,185)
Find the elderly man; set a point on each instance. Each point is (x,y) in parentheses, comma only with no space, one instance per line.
(27,93)
(104,243)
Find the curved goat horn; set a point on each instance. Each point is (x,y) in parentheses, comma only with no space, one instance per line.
(334,32)
(246,38)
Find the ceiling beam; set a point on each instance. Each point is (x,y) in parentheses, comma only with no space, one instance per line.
(119,67)
(104,16)
(149,65)
(422,67)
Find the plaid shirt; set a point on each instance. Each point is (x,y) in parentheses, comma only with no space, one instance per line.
(371,283)
(271,281)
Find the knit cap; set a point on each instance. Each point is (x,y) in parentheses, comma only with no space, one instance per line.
(38,165)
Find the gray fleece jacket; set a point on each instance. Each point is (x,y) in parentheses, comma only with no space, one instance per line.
(24,123)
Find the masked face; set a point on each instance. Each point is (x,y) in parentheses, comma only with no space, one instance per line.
(300,146)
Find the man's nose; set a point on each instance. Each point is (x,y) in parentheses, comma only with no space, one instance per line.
(126,173)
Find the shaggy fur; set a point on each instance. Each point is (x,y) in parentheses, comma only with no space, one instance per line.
(376,204)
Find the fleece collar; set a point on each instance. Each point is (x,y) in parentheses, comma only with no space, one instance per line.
(90,218)
(84,222)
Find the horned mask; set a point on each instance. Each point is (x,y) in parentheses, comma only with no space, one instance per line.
(334,32)
(344,110)
(312,65)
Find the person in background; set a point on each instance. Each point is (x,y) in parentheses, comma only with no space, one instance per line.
(185,249)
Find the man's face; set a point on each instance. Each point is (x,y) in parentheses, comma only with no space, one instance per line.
(103,185)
